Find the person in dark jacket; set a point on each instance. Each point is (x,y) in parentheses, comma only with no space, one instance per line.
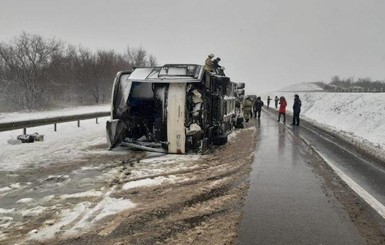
(296,110)
(218,68)
(268,101)
(276,101)
(257,107)
(216,63)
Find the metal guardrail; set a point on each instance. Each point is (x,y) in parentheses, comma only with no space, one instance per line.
(51,120)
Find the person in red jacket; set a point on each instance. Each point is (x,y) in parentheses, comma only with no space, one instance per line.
(282,109)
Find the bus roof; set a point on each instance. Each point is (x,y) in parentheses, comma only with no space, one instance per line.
(186,73)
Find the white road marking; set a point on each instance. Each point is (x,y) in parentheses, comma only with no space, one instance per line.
(373,202)
(347,150)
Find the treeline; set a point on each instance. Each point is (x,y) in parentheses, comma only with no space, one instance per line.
(40,73)
(351,84)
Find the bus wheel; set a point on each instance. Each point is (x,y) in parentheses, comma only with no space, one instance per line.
(220,140)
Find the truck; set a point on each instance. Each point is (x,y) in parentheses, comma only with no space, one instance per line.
(174,108)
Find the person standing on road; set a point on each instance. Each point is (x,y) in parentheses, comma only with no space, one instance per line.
(248,108)
(296,110)
(276,102)
(268,101)
(257,107)
(282,109)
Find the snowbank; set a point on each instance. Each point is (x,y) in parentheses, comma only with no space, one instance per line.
(357,117)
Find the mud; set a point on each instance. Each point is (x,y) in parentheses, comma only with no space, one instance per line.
(202,207)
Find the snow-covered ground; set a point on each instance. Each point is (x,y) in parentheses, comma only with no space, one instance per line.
(71,142)
(357,117)
(68,142)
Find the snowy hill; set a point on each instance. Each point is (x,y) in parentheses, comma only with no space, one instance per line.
(357,117)
(301,87)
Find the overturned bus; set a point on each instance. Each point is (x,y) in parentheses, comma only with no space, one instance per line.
(175,108)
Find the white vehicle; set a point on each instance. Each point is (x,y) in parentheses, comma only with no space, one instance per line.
(176,108)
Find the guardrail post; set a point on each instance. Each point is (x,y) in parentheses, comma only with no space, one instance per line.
(24,130)
(78,123)
(54,127)
(97,121)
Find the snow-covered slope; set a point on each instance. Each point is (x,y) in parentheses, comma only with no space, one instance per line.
(359,117)
(301,87)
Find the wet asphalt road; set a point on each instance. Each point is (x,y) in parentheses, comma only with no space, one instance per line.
(286,203)
(367,172)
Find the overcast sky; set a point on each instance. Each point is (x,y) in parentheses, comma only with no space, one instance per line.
(267,44)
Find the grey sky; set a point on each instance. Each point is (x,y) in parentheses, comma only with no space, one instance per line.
(267,44)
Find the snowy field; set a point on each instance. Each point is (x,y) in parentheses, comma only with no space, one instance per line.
(68,142)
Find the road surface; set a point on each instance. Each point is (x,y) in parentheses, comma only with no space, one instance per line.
(289,201)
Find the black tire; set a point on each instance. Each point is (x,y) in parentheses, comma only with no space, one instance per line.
(240,125)
(220,140)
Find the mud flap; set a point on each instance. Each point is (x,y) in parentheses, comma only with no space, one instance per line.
(176,101)
(114,129)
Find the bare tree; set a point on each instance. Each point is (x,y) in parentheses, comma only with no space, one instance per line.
(137,57)
(335,80)
(152,61)
(26,62)
(37,73)
(104,70)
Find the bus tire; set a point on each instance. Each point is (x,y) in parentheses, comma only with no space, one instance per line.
(220,140)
